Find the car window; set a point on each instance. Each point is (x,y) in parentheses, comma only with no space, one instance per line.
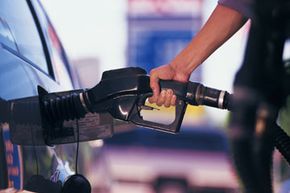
(196,140)
(19,34)
(57,55)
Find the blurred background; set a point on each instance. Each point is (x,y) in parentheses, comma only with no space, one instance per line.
(108,34)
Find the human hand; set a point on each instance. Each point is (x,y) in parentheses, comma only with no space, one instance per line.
(12,190)
(165,72)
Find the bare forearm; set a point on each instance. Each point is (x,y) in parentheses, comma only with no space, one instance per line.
(221,25)
(12,190)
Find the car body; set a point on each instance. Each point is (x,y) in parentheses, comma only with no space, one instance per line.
(195,160)
(32,55)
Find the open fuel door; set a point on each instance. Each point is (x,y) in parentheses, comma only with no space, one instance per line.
(27,125)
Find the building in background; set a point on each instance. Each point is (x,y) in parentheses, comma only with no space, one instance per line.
(87,67)
(92,29)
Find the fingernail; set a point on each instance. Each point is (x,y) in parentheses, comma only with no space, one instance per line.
(163,93)
(173,100)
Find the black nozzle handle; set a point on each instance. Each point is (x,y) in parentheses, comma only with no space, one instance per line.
(179,88)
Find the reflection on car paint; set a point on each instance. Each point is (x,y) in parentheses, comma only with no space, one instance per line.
(62,171)
(14,160)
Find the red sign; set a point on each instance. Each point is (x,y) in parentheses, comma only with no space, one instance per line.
(164,7)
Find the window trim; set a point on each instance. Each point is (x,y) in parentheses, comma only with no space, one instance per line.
(17,54)
(47,51)
(42,39)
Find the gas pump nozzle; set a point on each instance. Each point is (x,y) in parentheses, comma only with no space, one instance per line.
(121,93)
(128,98)
(115,103)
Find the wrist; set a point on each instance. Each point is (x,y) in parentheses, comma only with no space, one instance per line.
(180,74)
(187,60)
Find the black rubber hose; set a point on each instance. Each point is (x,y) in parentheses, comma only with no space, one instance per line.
(282,142)
(67,107)
(281,138)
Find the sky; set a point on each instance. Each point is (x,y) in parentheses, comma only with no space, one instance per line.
(90,28)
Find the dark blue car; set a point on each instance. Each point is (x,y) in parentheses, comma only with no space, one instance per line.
(31,54)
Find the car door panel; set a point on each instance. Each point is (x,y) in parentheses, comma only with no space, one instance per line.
(39,78)
(14,82)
